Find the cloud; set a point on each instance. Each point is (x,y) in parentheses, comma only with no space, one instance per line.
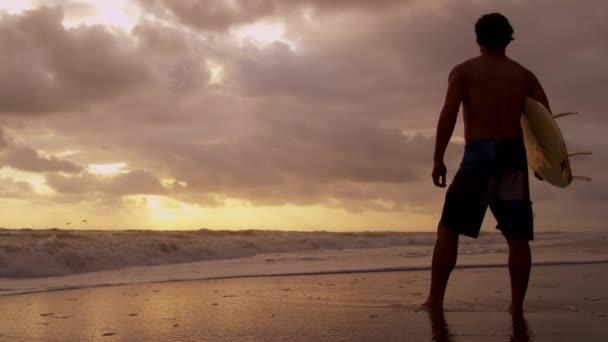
(219,15)
(343,117)
(136,182)
(25,158)
(49,68)
(10,188)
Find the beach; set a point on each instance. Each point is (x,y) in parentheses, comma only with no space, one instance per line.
(565,303)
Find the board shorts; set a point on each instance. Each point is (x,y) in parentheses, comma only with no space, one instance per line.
(492,173)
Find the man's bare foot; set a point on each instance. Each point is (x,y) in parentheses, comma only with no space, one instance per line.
(432,305)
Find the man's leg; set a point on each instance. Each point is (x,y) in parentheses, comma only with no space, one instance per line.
(520,261)
(444,261)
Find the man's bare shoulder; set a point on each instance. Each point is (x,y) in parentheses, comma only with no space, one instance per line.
(462,67)
(516,65)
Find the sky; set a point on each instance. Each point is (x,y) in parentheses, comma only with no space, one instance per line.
(270,114)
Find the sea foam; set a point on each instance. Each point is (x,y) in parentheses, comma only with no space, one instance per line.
(42,260)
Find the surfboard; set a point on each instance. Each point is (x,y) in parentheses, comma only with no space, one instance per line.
(545,147)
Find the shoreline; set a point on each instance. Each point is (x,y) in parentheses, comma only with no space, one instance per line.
(300,274)
(564,303)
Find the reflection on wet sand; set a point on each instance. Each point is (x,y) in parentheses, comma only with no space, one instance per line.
(439,326)
(520,332)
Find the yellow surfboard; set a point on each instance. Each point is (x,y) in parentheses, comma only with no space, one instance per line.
(545,147)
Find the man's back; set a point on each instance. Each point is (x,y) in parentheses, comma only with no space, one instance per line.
(493,90)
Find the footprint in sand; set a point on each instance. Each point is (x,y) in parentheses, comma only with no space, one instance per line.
(132,314)
(109,334)
(175,325)
(46,314)
(229,296)
(215,304)
(592,299)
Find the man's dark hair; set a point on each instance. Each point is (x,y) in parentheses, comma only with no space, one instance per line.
(494,31)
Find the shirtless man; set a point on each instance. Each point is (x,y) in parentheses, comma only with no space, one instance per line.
(492,89)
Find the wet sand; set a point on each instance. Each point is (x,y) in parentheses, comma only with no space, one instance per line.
(565,303)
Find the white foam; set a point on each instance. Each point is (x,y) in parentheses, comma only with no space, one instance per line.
(32,261)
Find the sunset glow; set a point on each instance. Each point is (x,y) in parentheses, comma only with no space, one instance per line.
(262,33)
(108,169)
(216,72)
(303,115)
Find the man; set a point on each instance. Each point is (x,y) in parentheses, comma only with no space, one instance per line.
(492,89)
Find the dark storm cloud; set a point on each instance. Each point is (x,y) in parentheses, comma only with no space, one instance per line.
(25,158)
(136,182)
(293,160)
(47,68)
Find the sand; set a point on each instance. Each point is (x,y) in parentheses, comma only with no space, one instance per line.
(565,303)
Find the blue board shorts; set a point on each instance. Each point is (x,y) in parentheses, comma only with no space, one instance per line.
(493,173)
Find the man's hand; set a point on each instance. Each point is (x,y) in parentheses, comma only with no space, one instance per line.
(439,173)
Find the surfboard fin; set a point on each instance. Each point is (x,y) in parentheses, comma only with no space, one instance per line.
(557,116)
(584,153)
(581,178)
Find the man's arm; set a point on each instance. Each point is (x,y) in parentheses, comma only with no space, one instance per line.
(447,122)
(537,92)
